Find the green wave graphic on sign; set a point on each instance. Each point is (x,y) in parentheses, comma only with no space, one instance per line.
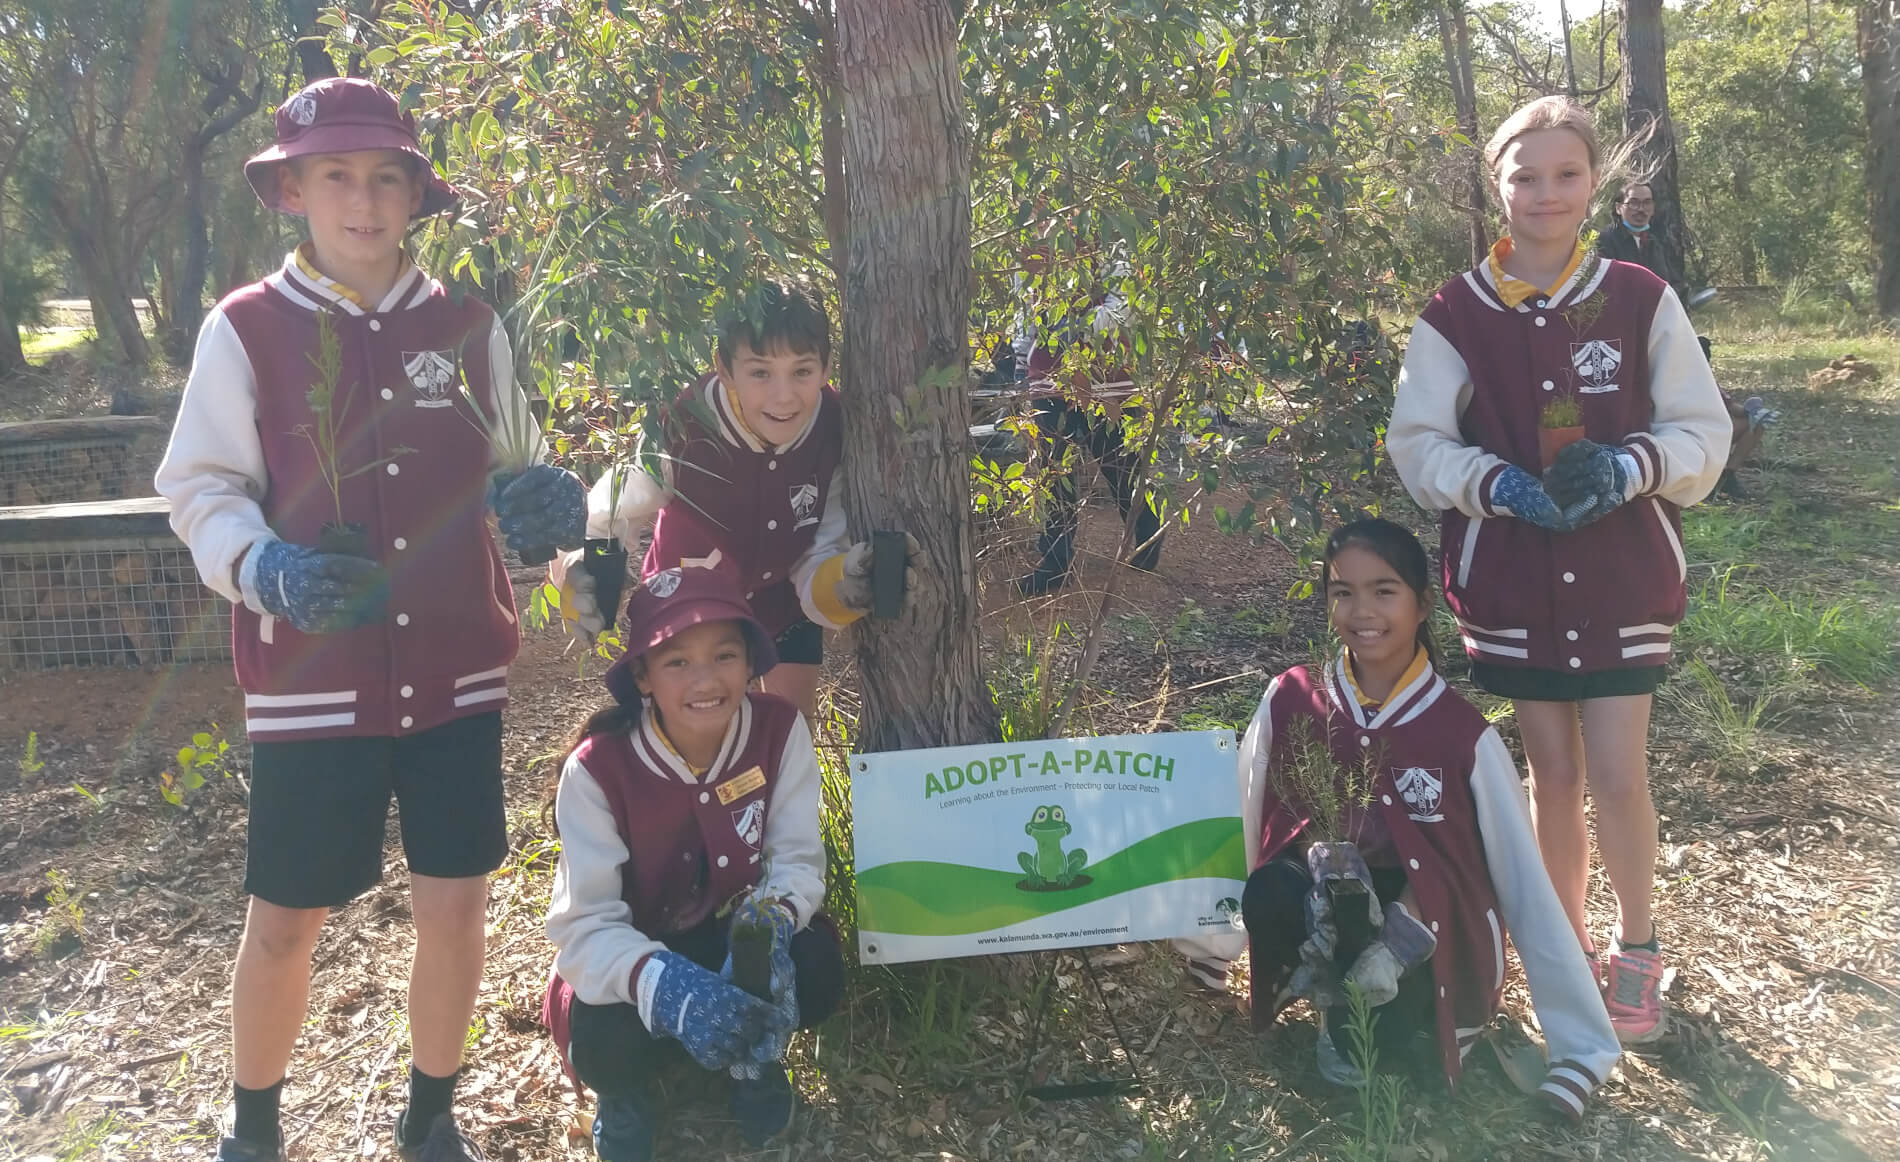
(925,898)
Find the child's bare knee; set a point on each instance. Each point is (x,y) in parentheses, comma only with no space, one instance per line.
(279,933)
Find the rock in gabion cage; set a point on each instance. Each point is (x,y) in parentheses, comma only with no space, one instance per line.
(61,461)
(103,600)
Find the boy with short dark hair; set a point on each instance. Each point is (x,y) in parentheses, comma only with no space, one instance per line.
(328,404)
(750,479)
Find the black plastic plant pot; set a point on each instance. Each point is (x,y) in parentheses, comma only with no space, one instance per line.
(1353,919)
(605,560)
(350,540)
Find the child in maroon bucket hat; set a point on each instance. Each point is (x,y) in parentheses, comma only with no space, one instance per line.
(372,621)
(688,816)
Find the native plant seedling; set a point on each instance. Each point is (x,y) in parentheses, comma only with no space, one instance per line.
(321,432)
(29,763)
(1559,425)
(63,929)
(204,756)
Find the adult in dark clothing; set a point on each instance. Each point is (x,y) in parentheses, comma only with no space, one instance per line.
(1630,238)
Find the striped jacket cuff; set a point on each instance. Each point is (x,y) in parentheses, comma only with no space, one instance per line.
(1486,487)
(1567,1088)
(1647,457)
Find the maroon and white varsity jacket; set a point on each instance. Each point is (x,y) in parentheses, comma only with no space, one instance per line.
(772,512)
(1476,377)
(242,470)
(1448,792)
(649,848)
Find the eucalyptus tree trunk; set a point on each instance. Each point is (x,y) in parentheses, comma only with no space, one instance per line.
(1879,38)
(1646,111)
(1454,31)
(906,293)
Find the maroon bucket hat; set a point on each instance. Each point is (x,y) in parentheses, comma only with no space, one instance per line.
(674,600)
(344,115)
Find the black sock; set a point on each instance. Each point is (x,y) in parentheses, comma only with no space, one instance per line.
(257,1113)
(429,1098)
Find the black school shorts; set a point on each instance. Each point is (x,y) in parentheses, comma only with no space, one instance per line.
(318,808)
(1534,685)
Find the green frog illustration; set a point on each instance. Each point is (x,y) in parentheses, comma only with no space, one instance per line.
(1049,864)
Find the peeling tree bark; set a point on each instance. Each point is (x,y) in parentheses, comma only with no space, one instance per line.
(1879,42)
(905,356)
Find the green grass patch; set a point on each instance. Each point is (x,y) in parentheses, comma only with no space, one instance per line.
(1848,639)
(54,340)
(927,898)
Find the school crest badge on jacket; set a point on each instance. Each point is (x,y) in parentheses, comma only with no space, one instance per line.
(1596,363)
(432,374)
(1423,791)
(749,823)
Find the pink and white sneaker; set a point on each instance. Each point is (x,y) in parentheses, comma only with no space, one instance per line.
(1632,992)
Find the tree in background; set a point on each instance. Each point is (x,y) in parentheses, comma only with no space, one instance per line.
(1646,114)
(1879,44)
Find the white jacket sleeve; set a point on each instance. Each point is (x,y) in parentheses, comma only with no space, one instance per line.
(1681,457)
(595,943)
(1439,469)
(1583,1047)
(816,572)
(213,472)
(794,849)
(1250,773)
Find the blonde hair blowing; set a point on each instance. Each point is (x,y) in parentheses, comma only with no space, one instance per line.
(1567,113)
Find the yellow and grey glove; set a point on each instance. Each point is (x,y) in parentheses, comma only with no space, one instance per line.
(580,611)
(854,588)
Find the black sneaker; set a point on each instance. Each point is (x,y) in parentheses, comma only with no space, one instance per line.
(445,1142)
(624,1128)
(239,1150)
(763,1108)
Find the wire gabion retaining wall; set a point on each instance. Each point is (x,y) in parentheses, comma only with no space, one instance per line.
(66,461)
(82,585)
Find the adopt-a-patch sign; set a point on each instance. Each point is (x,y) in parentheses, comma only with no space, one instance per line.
(1064,843)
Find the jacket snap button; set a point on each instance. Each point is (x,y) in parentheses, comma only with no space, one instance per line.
(1540,320)
(407,722)
(1576,663)
(1570,578)
(766,576)
(1414,864)
(722,861)
(1549,386)
(1386,799)
(408,691)
(704,797)
(388,394)
(771,524)
(771,465)
(375,324)
(395,469)
(1572,635)
(1365,740)
(402,619)
(401,543)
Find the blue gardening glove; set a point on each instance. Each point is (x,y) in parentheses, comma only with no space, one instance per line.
(543,507)
(1522,495)
(320,592)
(1404,943)
(1587,480)
(1759,414)
(718,1022)
(772,917)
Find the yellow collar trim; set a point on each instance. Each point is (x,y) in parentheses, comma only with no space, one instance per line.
(306,262)
(1419,663)
(1515,290)
(659,732)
